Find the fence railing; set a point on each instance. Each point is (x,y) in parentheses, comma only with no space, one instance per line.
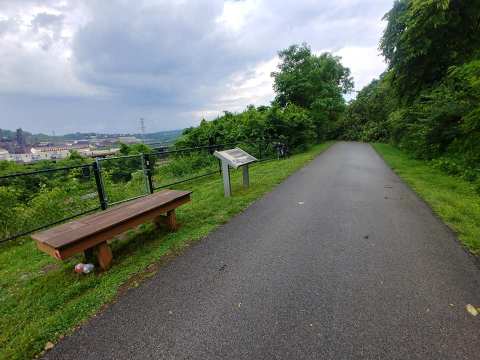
(35,200)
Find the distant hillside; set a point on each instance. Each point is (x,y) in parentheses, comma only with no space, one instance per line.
(161,136)
(156,137)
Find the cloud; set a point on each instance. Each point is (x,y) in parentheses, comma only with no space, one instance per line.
(7,25)
(49,26)
(364,62)
(171,62)
(168,53)
(35,48)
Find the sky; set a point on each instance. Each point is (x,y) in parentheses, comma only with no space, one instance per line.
(100,66)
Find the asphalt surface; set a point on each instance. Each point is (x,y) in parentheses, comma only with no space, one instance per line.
(341,261)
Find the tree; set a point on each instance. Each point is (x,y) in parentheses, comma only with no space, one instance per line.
(366,115)
(122,168)
(75,155)
(424,38)
(316,83)
(290,125)
(308,103)
(444,119)
(304,77)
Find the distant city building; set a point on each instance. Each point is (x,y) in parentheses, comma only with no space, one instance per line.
(98,153)
(23,157)
(44,144)
(21,141)
(49,153)
(22,147)
(128,139)
(84,142)
(4,155)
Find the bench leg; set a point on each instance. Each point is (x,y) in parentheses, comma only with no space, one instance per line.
(104,255)
(170,220)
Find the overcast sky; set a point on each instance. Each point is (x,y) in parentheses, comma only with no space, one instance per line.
(95,65)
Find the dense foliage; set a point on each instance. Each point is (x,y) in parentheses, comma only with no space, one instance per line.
(309,101)
(424,38)
(428,100)
(291,125)
(366,117)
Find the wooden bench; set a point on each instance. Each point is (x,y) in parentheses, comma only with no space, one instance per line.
(90,234)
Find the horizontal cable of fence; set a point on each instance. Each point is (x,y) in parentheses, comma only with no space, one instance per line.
(185,180)
(126,200)
(206,147)
(48,225)
(42,171)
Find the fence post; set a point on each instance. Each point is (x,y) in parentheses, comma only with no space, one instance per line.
(100,189)
(149,172)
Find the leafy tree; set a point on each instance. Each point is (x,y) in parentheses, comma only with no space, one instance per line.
(445,119)
(75,156)
(308,103)
(424,38)
(122,169)
(255,127)
(316,83)
(366,116)
(291,125)
(134,149)
(303,77)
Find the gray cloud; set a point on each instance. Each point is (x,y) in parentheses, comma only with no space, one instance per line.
(168,61)
(167,54)
(48,21)
(49,26)
(8,25)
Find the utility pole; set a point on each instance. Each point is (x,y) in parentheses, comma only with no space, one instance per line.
(142,129)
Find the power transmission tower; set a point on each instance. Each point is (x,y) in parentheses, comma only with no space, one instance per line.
(142,129)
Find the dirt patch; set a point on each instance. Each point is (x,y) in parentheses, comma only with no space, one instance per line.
(49,267)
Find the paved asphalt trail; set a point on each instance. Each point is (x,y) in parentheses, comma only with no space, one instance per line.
(341,261)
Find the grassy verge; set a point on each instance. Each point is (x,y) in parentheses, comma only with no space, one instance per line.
(42,299)
(453,199)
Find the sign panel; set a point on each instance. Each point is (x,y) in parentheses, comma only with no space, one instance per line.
(235,157)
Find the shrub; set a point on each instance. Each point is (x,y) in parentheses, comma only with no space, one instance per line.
(182,165)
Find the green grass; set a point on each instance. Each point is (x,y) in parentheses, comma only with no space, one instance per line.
(454,200)
(42,299)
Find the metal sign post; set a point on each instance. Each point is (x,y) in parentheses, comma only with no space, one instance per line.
(246,176)
(227,187)
(234,158)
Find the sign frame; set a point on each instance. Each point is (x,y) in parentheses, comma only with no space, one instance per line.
(234,158)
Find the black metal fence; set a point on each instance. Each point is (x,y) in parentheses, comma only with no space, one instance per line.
(35,200)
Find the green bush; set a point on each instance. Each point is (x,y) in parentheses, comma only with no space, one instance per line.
(182,165)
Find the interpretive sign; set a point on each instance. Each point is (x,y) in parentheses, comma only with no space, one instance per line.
(234,158)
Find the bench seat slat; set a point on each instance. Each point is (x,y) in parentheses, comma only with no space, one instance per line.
(74,231)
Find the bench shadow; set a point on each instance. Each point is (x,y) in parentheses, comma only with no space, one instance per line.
(137,240)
